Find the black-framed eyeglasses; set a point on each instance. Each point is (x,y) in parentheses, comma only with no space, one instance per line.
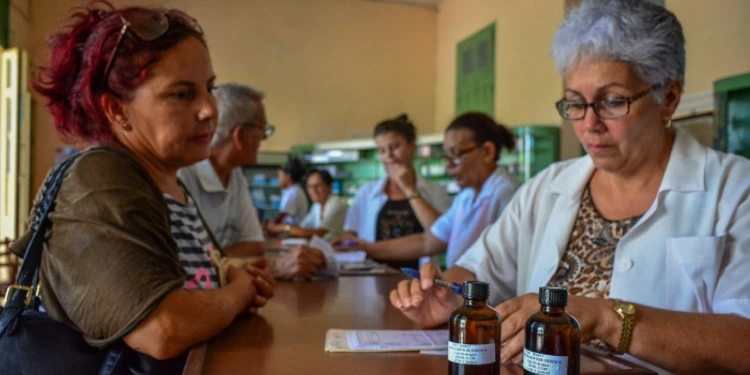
(607,107)
(267,129)
(458,158)
(149,25)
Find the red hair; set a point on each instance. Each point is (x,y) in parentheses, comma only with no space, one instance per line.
(74,82)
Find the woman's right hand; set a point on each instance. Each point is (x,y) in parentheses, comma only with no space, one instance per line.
(345,236)
(351,244)
(423,302)
(243,284)
(402,176)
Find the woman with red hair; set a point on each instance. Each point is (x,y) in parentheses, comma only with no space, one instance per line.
(127,258)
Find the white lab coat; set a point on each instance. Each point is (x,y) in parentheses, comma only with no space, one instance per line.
(472,212)
(689,252)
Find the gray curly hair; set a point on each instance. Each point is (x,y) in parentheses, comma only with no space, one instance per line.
(647,36)
(236,104)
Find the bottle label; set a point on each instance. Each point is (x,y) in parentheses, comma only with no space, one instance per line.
(471,354)
(544,364)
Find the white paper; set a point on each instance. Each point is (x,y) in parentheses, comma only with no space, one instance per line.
(366,268)
(346,257)
(397,340)
(288,243)
(332,267)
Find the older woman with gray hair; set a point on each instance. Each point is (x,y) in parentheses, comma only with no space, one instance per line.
(650,232)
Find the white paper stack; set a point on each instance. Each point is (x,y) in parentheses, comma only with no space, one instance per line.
(339,340)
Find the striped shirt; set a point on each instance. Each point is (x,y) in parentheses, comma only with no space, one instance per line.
(193,244)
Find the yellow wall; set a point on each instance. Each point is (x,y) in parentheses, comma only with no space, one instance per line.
(19,18)
(526,82)
(331,69)
(718,40)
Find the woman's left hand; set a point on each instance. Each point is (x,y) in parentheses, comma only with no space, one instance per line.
(263,280)
(515,312)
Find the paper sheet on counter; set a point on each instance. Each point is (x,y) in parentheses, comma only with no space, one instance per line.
(347,257)
(340,340)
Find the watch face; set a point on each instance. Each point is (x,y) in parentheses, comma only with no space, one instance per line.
(626,308)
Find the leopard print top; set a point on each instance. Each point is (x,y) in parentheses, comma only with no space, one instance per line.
(586,267)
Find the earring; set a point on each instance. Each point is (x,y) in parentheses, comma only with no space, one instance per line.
(127,126)
(669,124)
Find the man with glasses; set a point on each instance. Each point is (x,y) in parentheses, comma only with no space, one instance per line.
(220,189)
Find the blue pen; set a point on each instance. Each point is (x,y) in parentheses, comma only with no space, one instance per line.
(348,243)
(452,286)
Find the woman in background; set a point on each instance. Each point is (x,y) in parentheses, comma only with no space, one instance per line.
(294,203)
(472,144)
(400,204)
(327,214)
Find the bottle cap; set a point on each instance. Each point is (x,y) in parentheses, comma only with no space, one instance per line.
(476,290)
(553,296)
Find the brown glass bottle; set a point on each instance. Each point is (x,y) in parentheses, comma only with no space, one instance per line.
(553,337)
(474,345)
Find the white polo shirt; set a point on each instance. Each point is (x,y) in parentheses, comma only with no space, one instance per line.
(229,211)
(294,204)
(363,214)
(461,225)
(334,214)
(689,252)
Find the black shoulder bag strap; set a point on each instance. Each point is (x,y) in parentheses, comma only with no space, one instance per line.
(25,290)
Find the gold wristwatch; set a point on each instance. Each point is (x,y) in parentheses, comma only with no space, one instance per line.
(414,195)
(626,312)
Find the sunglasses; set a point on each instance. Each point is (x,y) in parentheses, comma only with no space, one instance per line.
(149,25)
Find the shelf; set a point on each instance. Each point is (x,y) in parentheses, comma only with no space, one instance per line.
(537,146)
(267,207)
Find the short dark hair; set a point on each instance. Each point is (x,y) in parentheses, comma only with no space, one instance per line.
(295,169)
(400,125)
(324,175)
(483,129)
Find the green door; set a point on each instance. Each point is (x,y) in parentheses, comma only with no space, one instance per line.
(738,124)
(4,23)
(732,114)
(475,73)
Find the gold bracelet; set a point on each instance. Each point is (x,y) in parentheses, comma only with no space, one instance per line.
(626,312)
